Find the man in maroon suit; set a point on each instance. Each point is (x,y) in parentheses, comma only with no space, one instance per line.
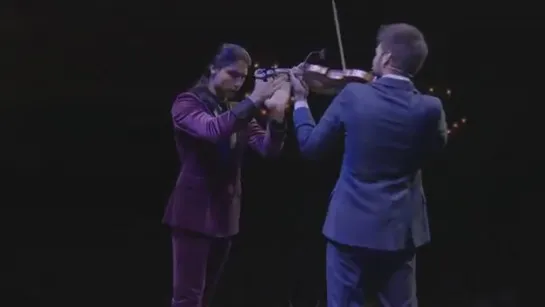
(204,208)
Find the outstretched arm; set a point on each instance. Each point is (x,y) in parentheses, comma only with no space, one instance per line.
(190,116)
(316,139)
(271,141)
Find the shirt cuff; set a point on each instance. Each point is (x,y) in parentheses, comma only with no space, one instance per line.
(300,104)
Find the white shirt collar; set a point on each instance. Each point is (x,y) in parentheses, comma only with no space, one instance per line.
(398,77)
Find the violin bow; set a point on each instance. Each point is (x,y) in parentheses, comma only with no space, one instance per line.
(339,37)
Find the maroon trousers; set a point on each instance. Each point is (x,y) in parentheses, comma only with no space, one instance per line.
(197,265)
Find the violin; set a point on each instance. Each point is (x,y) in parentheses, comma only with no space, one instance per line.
(321,79)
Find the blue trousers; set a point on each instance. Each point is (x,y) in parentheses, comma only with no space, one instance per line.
(355,273)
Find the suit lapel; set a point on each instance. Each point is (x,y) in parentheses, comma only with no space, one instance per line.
(215,107)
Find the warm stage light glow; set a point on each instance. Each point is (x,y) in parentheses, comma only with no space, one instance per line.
(256,65)
(449,92)
(263,112)
(456,125)
(431,90)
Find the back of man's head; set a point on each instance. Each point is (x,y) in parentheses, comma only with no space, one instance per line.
(407,47)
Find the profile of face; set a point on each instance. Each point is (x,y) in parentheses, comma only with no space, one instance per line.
(381,60)
(228,80)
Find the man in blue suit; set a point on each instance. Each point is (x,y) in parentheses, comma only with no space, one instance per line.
(377,213)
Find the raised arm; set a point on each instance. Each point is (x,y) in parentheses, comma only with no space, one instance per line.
(268,142)
(441,130)
(190,116)
(316,139)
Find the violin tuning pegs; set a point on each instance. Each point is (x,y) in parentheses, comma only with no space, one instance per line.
(264,74)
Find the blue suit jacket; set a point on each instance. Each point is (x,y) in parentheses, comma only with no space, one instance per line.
(389,130)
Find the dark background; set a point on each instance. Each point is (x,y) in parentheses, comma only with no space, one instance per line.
(88,158)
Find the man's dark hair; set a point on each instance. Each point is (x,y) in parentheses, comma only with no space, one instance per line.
(227,54)
(406,44)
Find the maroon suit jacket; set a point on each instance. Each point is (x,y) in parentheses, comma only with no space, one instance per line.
(206,198)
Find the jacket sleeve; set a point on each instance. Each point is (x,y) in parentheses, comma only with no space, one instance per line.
(316,139)
(190,116)
(268,142)
(440,132)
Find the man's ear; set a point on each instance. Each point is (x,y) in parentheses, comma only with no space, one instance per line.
(212,70)
(386,59)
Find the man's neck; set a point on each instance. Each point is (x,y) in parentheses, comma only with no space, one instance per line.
(216,93)
(212,89)
(390,72)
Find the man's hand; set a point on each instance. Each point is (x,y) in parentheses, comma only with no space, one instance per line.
(264,90)
(279,101)
(299,87)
